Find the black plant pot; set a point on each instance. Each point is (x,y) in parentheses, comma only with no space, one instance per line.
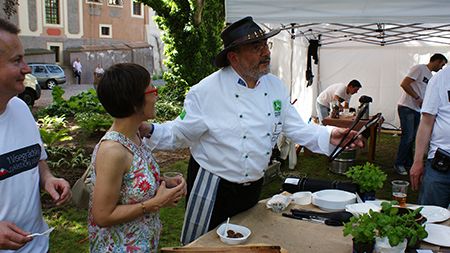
(363,247)
(367,196)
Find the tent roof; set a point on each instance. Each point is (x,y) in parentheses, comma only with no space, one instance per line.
(381,22)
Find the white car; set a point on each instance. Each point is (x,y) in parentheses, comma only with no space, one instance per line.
(32,90)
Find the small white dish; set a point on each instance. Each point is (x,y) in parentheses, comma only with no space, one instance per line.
(434,213)
(237,229)
(333,200)
(301,198)
(438,234)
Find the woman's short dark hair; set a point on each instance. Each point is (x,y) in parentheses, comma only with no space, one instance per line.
(121,89)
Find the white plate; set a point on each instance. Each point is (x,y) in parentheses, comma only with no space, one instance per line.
(434,213)
(438,234)
(361,208)
(333,200)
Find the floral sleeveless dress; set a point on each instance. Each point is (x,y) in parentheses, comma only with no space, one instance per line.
(138,184)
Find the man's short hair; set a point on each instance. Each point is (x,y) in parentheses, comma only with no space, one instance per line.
(355,83)
(121,89)
(8,26)
(438,57)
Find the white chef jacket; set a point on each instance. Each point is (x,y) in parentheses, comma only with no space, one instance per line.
(231,129)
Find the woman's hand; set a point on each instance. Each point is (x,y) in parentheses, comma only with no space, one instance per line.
(169,197)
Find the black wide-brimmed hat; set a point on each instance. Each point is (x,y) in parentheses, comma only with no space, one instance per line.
(241,32)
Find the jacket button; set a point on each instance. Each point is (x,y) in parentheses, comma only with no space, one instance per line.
(246,156)
(265,94)
(268,134)
(240,116)
(237,95)
(267,153)
(246,175)
(244,137)
(268,114)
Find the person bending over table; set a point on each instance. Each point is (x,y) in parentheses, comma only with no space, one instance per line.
(231,121)
(338,92)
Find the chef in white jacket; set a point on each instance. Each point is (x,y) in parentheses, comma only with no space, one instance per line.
(231,121)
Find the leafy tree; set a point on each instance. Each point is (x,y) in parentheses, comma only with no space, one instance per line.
(192,40)
(9,7)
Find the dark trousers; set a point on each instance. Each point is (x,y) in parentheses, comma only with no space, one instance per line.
(231,198)
(78,76)
(409,122)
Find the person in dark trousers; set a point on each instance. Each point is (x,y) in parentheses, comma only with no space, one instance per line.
(413,86)
(77,69)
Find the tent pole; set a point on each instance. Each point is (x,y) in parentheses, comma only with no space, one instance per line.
(292,68)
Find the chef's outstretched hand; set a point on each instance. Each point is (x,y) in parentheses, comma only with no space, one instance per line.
(338,133)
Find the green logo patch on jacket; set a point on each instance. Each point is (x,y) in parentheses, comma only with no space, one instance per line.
(183,114)
(277,105)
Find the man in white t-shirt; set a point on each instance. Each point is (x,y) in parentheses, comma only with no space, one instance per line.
(433,133)
(339,92)
(23,169)
(409,104)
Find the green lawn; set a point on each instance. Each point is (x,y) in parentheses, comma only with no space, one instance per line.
(71,229)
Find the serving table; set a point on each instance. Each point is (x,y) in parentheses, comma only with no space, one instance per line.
(347,121)
(292,235)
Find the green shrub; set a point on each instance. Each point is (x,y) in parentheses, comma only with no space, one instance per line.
(84,102)
(53,130)
(68,157)
(167,110)
(91,122)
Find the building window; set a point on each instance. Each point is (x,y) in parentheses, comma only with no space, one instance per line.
(105,31)
(94,1)
(52,12)
(115,2)
(137,9)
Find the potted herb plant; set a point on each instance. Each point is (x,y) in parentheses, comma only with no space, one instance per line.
(362,229)
(369,177)
(385,230)
(399,230)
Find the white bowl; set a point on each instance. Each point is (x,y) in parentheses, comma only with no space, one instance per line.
(333,200)
(301,198)
(236,228)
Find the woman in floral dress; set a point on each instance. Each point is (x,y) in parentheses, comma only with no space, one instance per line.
(128,193)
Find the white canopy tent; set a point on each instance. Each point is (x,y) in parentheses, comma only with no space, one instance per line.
(375,42)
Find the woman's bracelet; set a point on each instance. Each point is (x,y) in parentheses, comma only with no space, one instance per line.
(144,210)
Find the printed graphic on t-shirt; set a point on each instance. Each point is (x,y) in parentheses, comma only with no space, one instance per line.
(19,160)
(425,79)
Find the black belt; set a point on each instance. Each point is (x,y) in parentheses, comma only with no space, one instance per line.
(241,185)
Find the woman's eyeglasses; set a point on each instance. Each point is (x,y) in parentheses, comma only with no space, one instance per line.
(154,90)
